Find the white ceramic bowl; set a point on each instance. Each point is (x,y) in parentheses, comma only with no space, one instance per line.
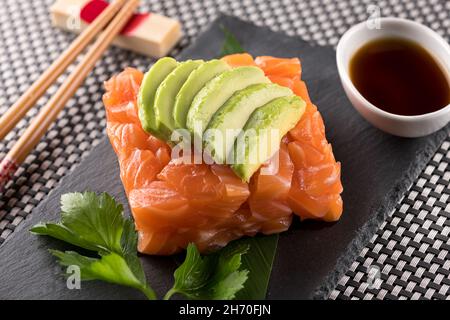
(359,35)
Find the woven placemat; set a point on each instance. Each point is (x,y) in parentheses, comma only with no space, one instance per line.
(407,258)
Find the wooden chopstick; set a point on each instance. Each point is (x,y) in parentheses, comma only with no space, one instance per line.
(49,112)
(18,110)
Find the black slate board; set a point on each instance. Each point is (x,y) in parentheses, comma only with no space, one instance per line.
(376,169)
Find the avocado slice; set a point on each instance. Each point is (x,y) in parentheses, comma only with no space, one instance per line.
(146,97)
(196,80)
(216,92)
(229,120)
(166,93)
(258,143)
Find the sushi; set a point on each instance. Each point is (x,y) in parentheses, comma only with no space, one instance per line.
(211,203)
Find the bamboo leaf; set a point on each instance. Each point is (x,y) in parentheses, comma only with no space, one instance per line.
(258,261)
(231,44)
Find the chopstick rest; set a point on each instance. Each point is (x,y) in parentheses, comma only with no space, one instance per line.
(150,34)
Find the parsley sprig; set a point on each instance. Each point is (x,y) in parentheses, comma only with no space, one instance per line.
(96,223)
(214,277)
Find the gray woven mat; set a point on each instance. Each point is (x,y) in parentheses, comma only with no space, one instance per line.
(409,255)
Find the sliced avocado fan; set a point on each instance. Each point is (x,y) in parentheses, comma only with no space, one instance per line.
(239,108)
(194,83)
(263,132)
(216,92)
(228,121)
(166,93)
(146,97)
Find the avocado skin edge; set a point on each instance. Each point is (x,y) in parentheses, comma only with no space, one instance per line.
(166,93)
(146,96)
(282,114)
(194,83)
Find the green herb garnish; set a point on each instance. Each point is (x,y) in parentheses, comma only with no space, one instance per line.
(231,45)
(96,223)
(259,260)
(215,277)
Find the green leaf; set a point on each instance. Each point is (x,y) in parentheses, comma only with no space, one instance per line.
(96,219)
(215,276)
(231,45)
(60,232)
(71,258)
(111,268)
(129,245)
(96,223)
(258,261)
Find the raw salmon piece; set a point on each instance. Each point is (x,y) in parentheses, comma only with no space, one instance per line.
(211,190)
(160,241)
(282,67)
(316,184)
(239,60)
(310,129)
(139,169)
(120,96)
(200,202)
(295,84)
(277,225)
(269,189)
(160,206)
(282,81)
(283,71)
(141,158)
(127,136)
(299,88)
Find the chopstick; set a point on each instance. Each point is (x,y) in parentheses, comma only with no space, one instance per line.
(18,110)
(50,111)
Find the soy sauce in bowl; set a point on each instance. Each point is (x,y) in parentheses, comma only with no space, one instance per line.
(399,76)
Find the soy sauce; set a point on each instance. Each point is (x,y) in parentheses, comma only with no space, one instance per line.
(399,76)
